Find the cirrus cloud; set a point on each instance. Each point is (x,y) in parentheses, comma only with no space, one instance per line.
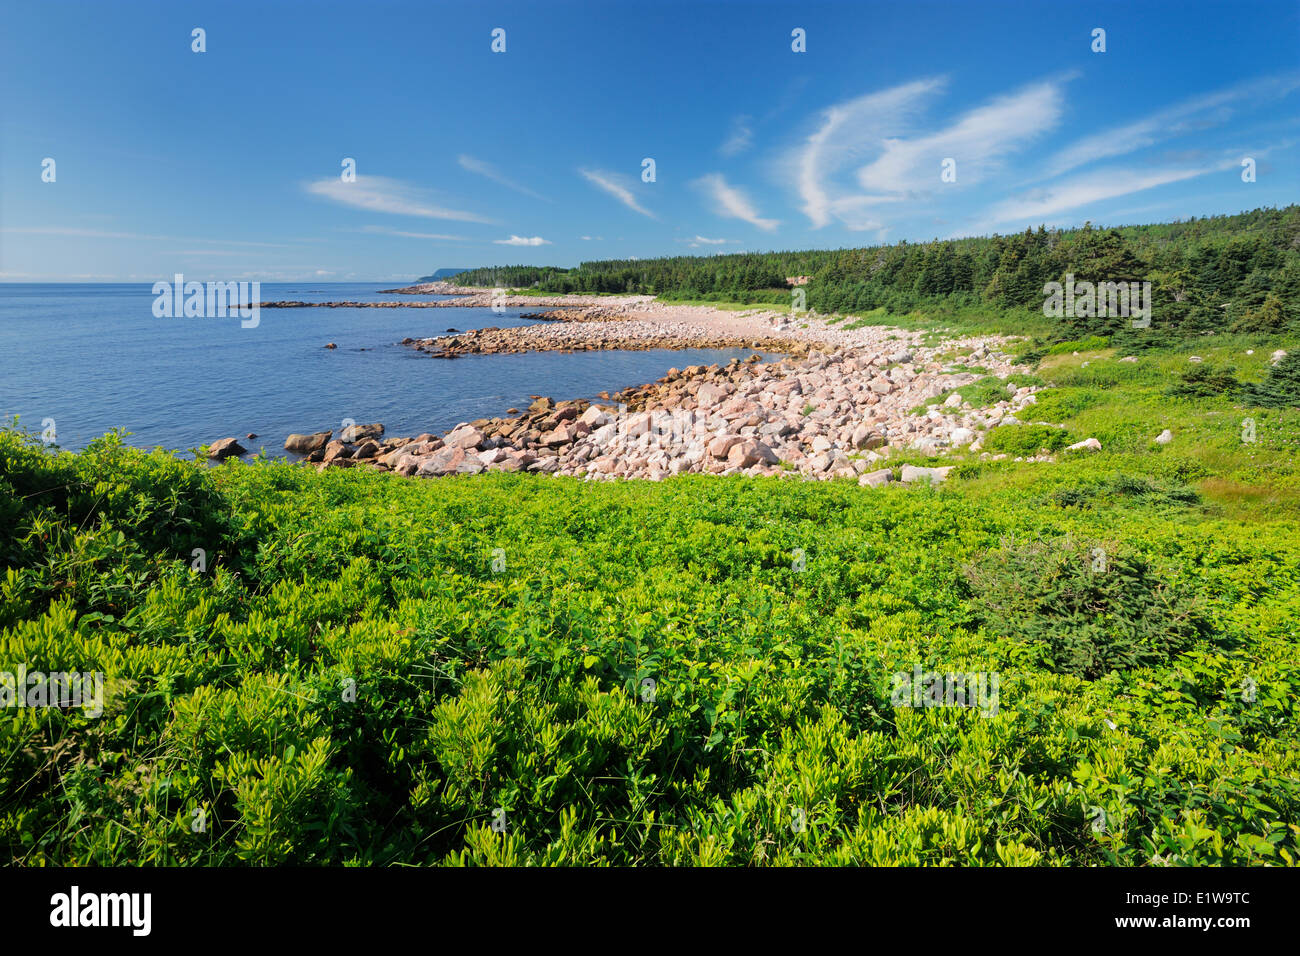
(523,241)
(732,202)
(488,171)
(617,187)
(381,194)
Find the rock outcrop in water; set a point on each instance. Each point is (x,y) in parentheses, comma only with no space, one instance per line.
(226,448)
(305,444)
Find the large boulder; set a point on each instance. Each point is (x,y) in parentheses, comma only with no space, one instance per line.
(392,458)
(637,425)
(875,479)
(710,394)
(721,446)
(750,452)
(595,416)
(562,434)
(450,460)
(914,473)
(225,448)
(465,437)
(356,433)
(864,437)
(545,466)
(336,451)
(306,444)
(1088,444)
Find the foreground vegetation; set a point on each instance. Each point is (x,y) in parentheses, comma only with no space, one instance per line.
(374,670)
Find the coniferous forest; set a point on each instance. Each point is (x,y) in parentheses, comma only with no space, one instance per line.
(1224,273)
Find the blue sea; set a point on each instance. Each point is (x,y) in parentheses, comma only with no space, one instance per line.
(94,358)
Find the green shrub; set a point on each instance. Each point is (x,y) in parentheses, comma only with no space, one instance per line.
(1031,355)
(1269,317)
(1026,440)
(1205,380)
(1057,404)
(1090,608)
(1122,486)
(1280,388)
(1092,343)
(352,680)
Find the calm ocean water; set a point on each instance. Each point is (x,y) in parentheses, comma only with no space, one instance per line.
(93,358)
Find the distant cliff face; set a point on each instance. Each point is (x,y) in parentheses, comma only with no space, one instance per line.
(441,274)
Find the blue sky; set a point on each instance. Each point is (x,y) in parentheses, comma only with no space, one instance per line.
(227,164)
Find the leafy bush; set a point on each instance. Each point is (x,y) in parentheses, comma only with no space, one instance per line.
(1204,381)
(1092,343)
(354,680)
(1123,486)
(1057,404)
(1026,440)
(1089,608)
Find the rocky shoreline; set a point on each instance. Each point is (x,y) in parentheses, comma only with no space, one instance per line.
(594,336)
(816,416)
(838,405)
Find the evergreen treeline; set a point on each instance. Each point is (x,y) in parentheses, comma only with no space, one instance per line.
(1237,272)
(509,277)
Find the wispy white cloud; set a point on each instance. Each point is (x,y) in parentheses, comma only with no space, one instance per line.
(487,170)
(403,233)
(53,277)
(79,233)
(740,138)
(881,128)
(1040,205)
(695,242)
(1193,115)
(845,132)
(617,187)
(381,194)
(523,241)
(976,141)
(732,202)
